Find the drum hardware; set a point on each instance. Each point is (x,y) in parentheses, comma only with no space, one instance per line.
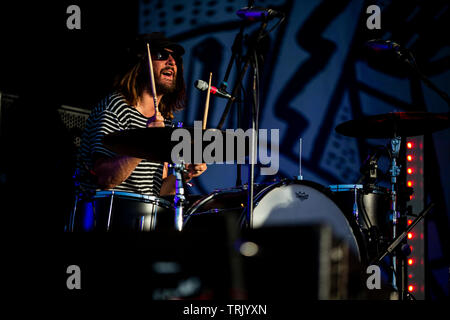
(369,169)
(395,126)
(108,225)
(395,172)
(393,246)
(71,223)
(179,195)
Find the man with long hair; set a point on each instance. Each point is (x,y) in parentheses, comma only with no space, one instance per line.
(131,106)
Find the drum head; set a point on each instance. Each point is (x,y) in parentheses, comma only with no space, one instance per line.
(303,202)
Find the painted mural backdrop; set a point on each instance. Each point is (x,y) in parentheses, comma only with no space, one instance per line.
(315,76)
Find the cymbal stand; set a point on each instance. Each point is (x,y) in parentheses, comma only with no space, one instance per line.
(394,172)
(179,195)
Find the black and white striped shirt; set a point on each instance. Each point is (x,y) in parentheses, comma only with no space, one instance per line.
(111,115)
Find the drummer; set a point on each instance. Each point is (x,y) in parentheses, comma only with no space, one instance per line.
(131,106)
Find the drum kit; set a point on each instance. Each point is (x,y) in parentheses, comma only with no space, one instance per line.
(358,213)
(364,215)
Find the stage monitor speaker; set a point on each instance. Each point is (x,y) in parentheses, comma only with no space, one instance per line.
(156,265)
(270,264)
(299,263)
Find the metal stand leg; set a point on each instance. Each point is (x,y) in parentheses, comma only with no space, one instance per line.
(70,227)
(394,171)
(179,196)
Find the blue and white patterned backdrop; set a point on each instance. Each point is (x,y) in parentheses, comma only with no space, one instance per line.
(313,77)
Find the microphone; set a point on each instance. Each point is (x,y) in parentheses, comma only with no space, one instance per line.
(383,45)
(258,13)
(203,86)
(389,49)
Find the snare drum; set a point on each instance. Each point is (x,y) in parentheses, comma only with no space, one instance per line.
(121,211)
(286,203)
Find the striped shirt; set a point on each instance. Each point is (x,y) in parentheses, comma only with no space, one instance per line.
(111,115)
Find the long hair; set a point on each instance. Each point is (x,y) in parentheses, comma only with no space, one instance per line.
(136,80)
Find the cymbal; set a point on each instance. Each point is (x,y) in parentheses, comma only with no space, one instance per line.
(389,125)
(155,144)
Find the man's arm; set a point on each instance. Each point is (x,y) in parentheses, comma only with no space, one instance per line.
(111,172)
(168,184)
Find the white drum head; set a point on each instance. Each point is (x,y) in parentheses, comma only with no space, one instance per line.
(301,204)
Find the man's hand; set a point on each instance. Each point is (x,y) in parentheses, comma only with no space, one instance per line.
(168,185)
(156,121)
(194,170)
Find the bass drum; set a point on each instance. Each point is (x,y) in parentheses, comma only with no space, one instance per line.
(286,203)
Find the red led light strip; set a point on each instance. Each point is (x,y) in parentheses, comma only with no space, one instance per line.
(414,179)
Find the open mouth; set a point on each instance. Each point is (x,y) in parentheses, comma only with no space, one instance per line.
(167,73)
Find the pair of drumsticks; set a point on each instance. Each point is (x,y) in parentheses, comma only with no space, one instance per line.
(155,100)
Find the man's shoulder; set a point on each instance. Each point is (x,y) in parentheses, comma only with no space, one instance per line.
(114,102)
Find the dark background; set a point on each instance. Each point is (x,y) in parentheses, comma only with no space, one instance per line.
(47,65)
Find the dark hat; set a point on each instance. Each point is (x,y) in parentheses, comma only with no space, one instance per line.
(158,40)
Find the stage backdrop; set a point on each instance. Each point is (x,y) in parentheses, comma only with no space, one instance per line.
(315,75)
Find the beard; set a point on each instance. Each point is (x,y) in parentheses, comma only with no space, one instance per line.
(165,87)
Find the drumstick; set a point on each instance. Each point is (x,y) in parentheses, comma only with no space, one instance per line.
(152,79)
(205,115)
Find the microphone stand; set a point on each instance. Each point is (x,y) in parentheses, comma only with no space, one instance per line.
(250,56)
(236,50)
(406,56)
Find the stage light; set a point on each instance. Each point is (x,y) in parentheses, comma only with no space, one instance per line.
(410,170)
(409,221)
(249,249)
(409,157)
(409,145)
(411,288)
(410,235)
(411,261)
(410,183)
